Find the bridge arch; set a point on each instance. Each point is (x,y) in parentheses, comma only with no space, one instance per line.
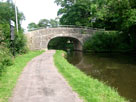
(76,42)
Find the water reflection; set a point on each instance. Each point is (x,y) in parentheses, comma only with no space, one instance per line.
(118,71)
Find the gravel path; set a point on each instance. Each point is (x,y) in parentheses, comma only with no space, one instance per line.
(41,82)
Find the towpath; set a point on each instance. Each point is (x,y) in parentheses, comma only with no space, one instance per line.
(40,81)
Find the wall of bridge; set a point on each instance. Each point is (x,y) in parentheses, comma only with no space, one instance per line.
(39,39)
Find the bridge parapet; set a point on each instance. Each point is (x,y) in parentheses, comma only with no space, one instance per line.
(63,30)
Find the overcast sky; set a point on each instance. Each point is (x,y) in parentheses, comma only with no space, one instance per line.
(34,10)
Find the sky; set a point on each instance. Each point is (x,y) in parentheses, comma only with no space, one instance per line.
(34,10)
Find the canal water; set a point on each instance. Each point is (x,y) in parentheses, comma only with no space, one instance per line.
(116,70)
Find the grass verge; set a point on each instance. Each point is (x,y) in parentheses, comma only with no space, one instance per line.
(89,89)
(10,74)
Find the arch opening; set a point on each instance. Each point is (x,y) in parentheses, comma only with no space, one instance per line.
(64,43)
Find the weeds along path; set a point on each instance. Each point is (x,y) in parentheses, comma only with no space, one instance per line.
(41,82)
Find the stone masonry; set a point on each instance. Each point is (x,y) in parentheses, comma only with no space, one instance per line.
(39,39)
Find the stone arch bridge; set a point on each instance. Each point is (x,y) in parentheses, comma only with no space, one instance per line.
(39,39)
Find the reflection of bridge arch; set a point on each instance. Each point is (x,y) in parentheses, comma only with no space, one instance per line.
(39,39)
(79,60)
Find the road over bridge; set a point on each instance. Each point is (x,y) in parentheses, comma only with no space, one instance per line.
(39,39)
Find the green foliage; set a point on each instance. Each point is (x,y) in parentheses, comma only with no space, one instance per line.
(53,23)
(32,26)
(69,3)
(132,3)
(119,15)
(7,13)
(106,41)
(80,12)
(129,18)
(78,15)
(5,55)
(5,58)
(43,23)
(91,90)
(11,74)
(20,43)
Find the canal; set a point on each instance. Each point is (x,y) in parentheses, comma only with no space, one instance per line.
(116,70)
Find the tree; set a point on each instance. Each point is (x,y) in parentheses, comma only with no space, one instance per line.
(53,23)
(43,23)
(132,4)
(7,13)
(64,3)
(119,15)
(32,26)
(81,12)
(78,14)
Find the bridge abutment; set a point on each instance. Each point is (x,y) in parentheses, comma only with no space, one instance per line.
(78,46)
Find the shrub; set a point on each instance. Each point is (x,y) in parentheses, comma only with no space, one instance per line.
(102,41)
(20,43)
(5,57)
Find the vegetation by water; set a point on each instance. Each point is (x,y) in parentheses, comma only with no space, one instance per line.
(117,15)
(91,90)
(10,74)
(107,41)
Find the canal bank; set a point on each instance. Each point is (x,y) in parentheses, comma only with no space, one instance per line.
(114,69)
(90,89)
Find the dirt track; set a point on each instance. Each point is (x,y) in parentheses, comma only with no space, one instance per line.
(41,82)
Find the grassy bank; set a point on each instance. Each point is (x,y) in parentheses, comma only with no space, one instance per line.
(10,75)
(91,90)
